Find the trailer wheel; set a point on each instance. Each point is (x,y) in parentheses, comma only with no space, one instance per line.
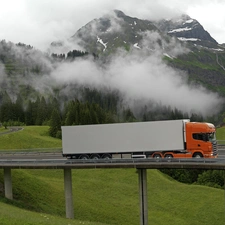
(157,156)
(198,155)
(95,156)
(106,156)
(85,157)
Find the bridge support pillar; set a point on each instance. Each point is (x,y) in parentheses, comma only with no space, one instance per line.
(68,193)
(142,176)
(8,183)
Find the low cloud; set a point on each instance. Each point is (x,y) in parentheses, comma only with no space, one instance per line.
(142,76)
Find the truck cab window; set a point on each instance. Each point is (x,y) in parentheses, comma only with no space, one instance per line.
(212,137)
(199,136)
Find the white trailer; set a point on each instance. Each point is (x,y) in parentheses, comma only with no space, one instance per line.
(141,139)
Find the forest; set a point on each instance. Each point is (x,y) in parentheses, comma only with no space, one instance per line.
(93,108)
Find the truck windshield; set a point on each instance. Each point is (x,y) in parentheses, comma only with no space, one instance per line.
(212,137)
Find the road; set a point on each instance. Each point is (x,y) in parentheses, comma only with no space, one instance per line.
(11,129)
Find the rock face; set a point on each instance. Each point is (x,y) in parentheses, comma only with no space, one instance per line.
(187,29)
(112,31)
(119,30)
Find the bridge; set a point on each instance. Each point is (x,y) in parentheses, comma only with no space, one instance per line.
(55,161)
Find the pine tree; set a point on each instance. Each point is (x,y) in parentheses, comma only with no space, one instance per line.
(55,123)
(28,114)
(42,112)
(6,109)
(19,112)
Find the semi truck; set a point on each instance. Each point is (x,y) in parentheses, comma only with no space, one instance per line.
(156,139)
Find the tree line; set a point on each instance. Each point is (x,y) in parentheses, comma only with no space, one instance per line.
(94,108)
(211,178)
(70,55)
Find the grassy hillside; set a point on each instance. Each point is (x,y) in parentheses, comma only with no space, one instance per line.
(220,133)
(31,137)
(11,215)
(108,196)
(111,197)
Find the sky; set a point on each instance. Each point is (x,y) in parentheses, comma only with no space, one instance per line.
(39,22)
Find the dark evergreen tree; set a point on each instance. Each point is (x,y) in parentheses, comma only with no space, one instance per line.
(19,111)
(128,116)
(42,112)
(6,109)
(29,119)
(55,123)
(35,106)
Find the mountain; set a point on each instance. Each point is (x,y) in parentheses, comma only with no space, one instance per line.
(203,60)
(112,31)
(139,68)
(119,30)
(187,29)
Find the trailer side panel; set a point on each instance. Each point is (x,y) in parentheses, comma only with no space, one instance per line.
(124,137)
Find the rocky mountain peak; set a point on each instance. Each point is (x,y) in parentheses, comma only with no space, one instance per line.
(112,31)
(188,29)
(118,30)
(119,13)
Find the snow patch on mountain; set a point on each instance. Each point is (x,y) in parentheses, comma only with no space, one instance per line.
(188,21)
(188,39)
(99,40)
(180,30)
(169,56)
(136,46)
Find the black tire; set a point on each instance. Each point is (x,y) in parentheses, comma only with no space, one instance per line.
(168,156)
(107,156)
(198,155)
(84,157)
(157,156)
(95,156)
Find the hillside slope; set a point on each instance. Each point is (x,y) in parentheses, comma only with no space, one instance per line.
(108,196)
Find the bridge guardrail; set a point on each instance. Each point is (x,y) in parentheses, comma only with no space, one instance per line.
(31,151)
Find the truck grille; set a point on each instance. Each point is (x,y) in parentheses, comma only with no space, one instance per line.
(215,150)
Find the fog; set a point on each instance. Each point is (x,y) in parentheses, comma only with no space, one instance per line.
(142,76)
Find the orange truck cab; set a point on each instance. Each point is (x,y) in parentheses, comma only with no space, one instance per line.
(201,139)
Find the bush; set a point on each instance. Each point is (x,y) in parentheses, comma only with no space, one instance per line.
(212,178)
(59,134)
(12,123)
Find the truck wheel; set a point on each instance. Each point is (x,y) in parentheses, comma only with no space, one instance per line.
(106,156)
(168,156)
(85,157)
(157,156)
(95,156)
(198,155)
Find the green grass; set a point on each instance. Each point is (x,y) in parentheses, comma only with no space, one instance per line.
(31,137)
(2,129)
(11,215)
(111,196)
(107,196)
(220,133)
